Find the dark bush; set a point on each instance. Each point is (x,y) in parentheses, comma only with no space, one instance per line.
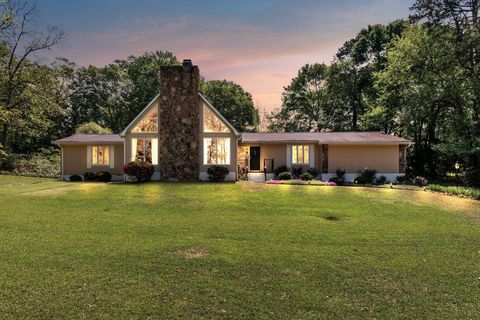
(381,180)
(103,176)
(140,171)
(340,174)
(401,179)
(280,169)
(76,178)
(7,160)
(313,171)
(217,173)
(306,176)
(338,181)
(420,181)
(360,180)
(297,171)
(89,176)
(366,176)
(285,176)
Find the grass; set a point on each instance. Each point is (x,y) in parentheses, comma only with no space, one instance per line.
(473,193)
(235,251)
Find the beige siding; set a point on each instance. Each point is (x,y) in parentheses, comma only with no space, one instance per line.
(75,160)
(352,158)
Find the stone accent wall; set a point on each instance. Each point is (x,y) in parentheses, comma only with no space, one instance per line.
(325,158)
(179,123)
(402,158)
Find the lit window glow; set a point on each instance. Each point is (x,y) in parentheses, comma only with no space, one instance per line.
(211,123)
(300,154)
(216,151)
(149,123)
(100,155)
(145,150)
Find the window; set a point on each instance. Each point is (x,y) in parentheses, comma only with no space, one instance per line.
(300,154)
(211,123)
(149,123)
(145,149)
(216,151)
(100,156)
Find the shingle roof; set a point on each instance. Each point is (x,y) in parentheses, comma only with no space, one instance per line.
(90,138)
(324,138)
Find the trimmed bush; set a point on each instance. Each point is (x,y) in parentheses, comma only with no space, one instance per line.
(381,180)
(280,169)
(313,171)
(89,176)
(297,171)
(338,181)
(285,176)
(420,181)
(217,173)
(401,179)
(340,173)
(103,176)
(366,176)
(306,176)
(140,171)
(76,178)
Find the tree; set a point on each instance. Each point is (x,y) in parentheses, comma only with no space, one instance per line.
(92,128)
(303,102)
(233,102)
(459,21)
(19,39)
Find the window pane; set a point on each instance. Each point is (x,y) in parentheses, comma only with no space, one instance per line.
(211,123)
(294,154)
(149,123)
(216,150)
(140,155)
(148,150)
(94,155)
(106,156)
(305,155)
(300,154)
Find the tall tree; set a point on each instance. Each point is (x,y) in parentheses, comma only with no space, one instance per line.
(20,38)
(233,102)
(462,17)
(303,102)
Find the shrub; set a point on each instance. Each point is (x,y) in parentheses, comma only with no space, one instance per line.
(366,176)
(92,128)
(103,176)
(340,174)
(473,193)
(140,171)
(313,171)
(243,173)
(7,161)
(381,180)
(280,169)
(217,173)
(306,176)
(89,176)
(285,176)
(44,163)
(401,179)
(297,171)
(338,181)
(75,178)
(420,181)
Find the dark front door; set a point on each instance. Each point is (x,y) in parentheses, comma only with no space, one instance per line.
(254,158)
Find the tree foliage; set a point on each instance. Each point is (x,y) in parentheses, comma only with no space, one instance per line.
(92,128)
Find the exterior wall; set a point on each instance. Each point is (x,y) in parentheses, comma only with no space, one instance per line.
(352,158)
(75,160)
(179,123)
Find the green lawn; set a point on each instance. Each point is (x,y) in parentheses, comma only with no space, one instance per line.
(233,251)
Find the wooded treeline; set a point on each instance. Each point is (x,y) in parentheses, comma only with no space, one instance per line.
(419,79)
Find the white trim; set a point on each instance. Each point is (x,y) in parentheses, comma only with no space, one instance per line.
(89,157)
(289,155)
(111,156)
(219,115)
(140,115)
(311,155)
(203,176)
(61,169)
(154,151)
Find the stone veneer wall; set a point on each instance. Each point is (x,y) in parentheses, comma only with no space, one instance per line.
(179,123)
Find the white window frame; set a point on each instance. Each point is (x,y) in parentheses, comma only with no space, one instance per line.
(303,147)
(227,148)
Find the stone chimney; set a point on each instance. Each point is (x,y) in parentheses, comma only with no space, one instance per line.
(179,122)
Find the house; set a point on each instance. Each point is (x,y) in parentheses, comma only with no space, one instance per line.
(182,135)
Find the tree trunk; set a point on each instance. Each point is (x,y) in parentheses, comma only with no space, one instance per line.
(5,136)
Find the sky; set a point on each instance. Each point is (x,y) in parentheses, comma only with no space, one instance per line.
(259,44)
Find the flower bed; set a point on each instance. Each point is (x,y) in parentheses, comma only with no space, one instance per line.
(301,182)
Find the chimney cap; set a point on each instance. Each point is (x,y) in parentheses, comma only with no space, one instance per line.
(187,63)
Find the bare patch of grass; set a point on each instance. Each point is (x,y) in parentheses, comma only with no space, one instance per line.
(193,253)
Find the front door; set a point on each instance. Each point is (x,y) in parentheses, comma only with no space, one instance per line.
(254,158)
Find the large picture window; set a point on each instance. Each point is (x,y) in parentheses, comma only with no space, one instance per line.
(149,122)
(216,150)
(211,123)
(100,156)
(300,154)
(145,149)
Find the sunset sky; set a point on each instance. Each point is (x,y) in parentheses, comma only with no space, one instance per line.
(259,44)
